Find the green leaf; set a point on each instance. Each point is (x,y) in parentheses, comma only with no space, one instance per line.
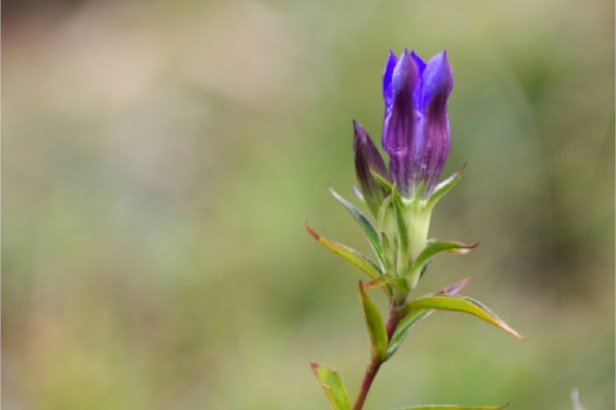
(356,258)
(369,230)
(434,247)
(453,407)
(444,187)
(461,304)
(415,316)
(332,386)
(375,324)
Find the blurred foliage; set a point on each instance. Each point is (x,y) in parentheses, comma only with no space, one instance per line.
(160,157)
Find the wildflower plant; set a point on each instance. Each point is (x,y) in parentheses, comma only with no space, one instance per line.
(400,197)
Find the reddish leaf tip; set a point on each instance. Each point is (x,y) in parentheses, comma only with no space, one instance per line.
(455,288)
(311,231)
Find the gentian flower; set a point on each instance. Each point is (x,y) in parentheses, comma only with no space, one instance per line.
(367,161)
(416,127)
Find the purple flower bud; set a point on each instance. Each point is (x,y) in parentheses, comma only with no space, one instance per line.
(416,127)
(367,158)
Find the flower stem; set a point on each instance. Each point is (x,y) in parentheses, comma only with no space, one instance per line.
(375,363)
(371,372)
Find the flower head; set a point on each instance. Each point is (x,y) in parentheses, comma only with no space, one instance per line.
(367,161)
(416,127)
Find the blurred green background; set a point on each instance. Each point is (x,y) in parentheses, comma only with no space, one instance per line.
(159,159)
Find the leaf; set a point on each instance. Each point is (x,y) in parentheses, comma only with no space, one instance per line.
(461,304)
(332,386)
(453,407)
(444,187)
(369,230)
(414,317)
(434,247)
(375,324)
(356,258)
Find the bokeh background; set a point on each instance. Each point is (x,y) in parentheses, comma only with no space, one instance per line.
(159,159)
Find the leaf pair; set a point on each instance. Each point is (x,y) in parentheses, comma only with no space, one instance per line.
(445,299)
(339,399)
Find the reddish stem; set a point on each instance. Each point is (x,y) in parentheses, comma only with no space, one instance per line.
(375,363)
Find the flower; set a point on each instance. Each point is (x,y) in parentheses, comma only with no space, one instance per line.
(416,127)
(367,161)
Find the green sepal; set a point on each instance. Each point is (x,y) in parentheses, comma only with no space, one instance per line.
(444,187)
(375,324)
(411,318)
(400,209)
(420,189)
(461,304)
(367,227)
(453,407)
(381,180)
(332,386)
(356,258)
(433,247)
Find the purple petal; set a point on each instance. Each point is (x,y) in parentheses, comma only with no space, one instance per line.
(437,80)
(404,77)
(421,65)
(367,159)
(438,83)
(387,74)
(399,121)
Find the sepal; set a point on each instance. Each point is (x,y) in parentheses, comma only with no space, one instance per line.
(367,227)
(434,247)
(356,258)
(444,187)
(403,234)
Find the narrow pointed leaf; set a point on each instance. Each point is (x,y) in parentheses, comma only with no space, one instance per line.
(461,304)
(444,187)
(415,316)
(332,386)
(357,259)
(375,324)
(369,230)
(434,247)
(453,407)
